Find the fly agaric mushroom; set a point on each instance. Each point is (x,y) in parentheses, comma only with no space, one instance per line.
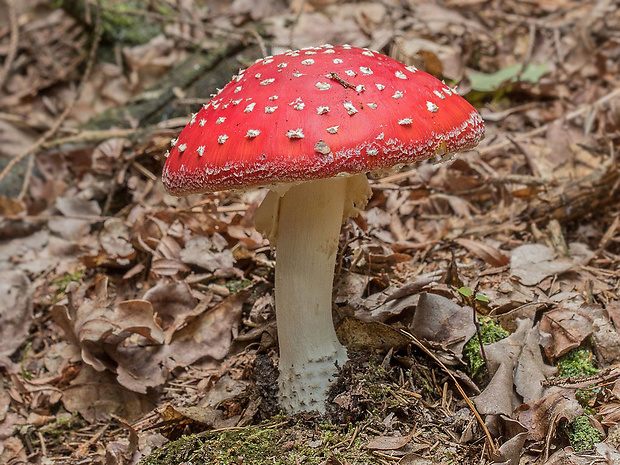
(309,124)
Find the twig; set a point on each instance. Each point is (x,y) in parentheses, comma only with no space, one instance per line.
(61,119)
(8,62)
(470,404)
(27,177)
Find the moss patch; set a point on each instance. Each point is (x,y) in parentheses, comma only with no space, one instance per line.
(577,363)
(583,435)
(491,332)
(273,443)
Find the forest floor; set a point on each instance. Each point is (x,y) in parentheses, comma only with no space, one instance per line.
(139,326)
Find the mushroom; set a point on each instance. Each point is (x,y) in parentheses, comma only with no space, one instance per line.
(309,124)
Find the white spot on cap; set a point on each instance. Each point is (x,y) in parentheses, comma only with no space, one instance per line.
(439,94)
(267,60)
(220,120)
(252,133)
(398,94)
(297,74)
(321,147)
(193,119)
(250,107)
(405,121)
(380,136)
(293,53)
(266,82)
(430,106)
(366,71)
(310,52)
(322,110)
(206,105)
(173,142)
(413,69)
(372,151)
(333,129)
(346,47)
(270,109)
(338,61)
(236,102)
(307,62)
(221,139)
(238,89)
(327,46)
(329,51)
(372,105)
(323,86)
(400,75)
(350,72)
(368,53)
(447,90)
(167,154)
(200,150)
(351,110)
(284,64)
(257,75)
(295,133)
(298,104)
(380,86)
(360,88)
(182,148)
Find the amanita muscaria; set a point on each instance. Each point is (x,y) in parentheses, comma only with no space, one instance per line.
(309,124)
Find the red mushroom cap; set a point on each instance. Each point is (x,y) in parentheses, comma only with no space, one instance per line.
(315,113)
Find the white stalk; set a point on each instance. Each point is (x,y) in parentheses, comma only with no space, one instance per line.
(310,217)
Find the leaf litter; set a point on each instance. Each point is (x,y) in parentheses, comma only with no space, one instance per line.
(128,317)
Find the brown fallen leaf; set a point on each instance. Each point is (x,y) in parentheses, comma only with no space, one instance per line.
(16,315)
(442,321)
(568,328)
(390,442)
(492,255)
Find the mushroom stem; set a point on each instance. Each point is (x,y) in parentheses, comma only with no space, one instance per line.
(310,217)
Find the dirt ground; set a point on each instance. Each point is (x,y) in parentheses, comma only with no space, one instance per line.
(138,326)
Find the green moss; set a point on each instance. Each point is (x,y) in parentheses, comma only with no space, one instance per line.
(122,20)
(583,435)
(275,444)
(238,285)
(491,332)
(576,363)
